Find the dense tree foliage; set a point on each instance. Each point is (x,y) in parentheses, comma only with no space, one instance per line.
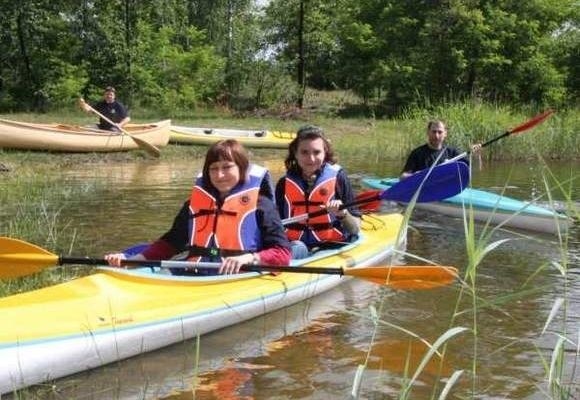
(178,54)
(405,52)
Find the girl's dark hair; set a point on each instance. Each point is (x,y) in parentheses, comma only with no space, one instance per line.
(226,150)
(307,132)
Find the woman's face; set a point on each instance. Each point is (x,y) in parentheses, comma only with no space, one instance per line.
(224,176)
(310,156)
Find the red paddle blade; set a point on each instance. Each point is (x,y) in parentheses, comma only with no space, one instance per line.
(369,201)
(532,122)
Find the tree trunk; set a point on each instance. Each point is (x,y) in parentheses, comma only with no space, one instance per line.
(301,61)
(128,51)
(229,50)
(20,23)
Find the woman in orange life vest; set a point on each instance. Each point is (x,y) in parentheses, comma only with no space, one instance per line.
(313,181)
(231,204)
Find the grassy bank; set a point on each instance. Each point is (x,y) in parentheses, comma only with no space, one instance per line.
(371,138)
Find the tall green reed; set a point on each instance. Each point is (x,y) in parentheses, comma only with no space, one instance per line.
(560,381)
(480,241)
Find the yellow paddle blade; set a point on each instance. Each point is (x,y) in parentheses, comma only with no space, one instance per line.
(20,258)
(405,276)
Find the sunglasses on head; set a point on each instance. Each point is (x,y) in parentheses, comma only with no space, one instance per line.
(310,131)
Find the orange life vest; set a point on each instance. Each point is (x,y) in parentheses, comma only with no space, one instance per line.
(297,201)
(230,229)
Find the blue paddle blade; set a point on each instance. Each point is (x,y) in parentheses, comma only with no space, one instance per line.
(435,184)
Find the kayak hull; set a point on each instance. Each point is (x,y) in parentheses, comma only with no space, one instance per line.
(531,222)
(490,208)
(77,138)
(249,138)
(115,314)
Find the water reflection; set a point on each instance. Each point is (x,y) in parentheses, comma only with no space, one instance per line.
(322,357)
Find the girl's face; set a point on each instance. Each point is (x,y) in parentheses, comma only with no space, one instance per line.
(224,176)
(310,156)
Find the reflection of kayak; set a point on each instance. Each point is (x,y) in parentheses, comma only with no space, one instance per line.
(491,207)
(117,313)
(249,138)
(77,138)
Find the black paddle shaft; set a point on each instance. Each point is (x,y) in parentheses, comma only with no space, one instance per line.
(99,261)
(247,268)
(308,270)
(495,139)
(369,199)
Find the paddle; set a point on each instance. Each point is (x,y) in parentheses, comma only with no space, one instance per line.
(148,147)
(20,258)
(438,183)
(518,129)
(529,124)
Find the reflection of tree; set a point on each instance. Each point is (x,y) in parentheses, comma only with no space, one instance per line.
(127,175)
(232,382)
(398,355)
(317,358)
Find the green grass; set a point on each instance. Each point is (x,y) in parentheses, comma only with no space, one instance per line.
(381,139)
(31,204)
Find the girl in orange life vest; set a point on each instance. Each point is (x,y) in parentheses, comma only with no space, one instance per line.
(313,181)
(230,217)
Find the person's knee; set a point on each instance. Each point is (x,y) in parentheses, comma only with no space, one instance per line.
(299,250)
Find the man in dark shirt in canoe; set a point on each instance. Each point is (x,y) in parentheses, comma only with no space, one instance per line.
(110,108)
(434,151)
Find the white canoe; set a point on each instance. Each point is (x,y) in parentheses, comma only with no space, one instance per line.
(77,138)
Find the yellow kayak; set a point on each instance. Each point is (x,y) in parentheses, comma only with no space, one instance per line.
(119,313)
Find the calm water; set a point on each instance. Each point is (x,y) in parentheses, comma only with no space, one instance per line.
(312,350)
